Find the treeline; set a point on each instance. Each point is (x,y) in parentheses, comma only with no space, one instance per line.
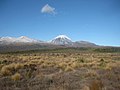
(108,49)
(51,50)
(69,49)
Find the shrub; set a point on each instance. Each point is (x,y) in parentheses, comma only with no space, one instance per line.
(94,85)
(91,73)
(1,65)
(102,64)
(3,61)
(5,71)
(9,69)
(102,60)
(44,65)
(41,62)
(16,77)
(28,74)
(80,60)
(18,66)
(68,68)
(62,65)
(75,65)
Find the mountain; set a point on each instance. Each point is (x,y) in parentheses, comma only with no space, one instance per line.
(26,39)
(66,41)
(11,44)
(24,43)
(84,44)
(59,40)
(62,40)
(22,39)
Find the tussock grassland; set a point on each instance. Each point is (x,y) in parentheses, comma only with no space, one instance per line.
(60,70)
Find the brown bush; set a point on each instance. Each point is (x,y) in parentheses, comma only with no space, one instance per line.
(94,85)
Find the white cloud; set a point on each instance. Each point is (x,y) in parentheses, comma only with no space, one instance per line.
(48,9)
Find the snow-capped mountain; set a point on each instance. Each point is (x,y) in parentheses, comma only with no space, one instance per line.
(59,40)
(22,39)
(62,40)
(25,43)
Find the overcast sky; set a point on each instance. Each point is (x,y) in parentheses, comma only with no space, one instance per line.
(97,21)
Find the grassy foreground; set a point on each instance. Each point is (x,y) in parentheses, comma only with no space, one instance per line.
(60,69)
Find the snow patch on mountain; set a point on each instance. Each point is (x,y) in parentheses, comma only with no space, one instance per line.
(62,37)
(62,40)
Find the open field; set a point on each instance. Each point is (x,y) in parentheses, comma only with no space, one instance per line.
(60,69)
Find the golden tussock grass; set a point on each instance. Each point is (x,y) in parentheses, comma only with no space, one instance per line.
(16,77)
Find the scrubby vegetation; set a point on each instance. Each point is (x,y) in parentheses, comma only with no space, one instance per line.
(60,69)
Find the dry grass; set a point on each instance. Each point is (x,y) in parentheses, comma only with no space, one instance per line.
(7,69)
(68,68)
(56,70)
(16,77)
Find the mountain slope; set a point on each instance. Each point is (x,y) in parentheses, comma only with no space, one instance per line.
(84,44)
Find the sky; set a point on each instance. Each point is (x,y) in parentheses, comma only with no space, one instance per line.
(96,21)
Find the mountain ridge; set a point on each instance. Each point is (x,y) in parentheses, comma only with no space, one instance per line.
(59,40)
(11,44)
